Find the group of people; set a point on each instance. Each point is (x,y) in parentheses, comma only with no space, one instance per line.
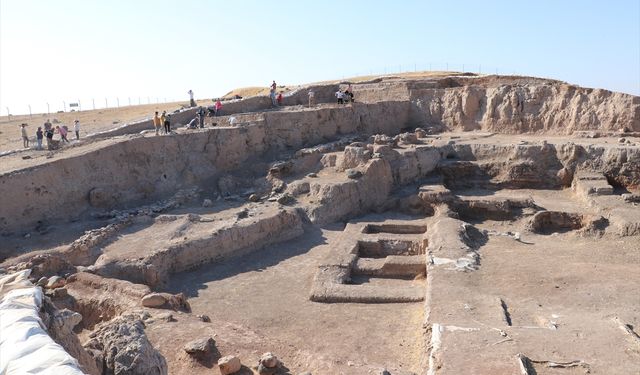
(162,123)
(48,133)
(276,100)
(345,96)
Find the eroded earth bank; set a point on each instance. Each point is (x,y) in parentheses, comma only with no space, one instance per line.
(455,225)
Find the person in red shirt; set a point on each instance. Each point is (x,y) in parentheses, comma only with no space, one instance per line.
(279,98)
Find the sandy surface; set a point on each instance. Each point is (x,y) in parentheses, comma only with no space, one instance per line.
(267,292)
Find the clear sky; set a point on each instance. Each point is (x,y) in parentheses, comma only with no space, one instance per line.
(65,50)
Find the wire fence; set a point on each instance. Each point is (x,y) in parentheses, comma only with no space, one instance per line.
(116,102)
(77,105)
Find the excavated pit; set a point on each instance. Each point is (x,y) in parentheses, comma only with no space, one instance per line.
(459,227)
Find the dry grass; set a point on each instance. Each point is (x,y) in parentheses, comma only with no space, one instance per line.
(90,121)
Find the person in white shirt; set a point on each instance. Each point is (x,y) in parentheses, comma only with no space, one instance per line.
(192,102)
(340,96)
(76,128)
(312,98)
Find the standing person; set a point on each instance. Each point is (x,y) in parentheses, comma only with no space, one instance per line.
(48,132)
(312,98)
(340,97)
(349,94)
(192,103)
(63,133)
(157,123)
(76,128)
(200,115)
(279,98)
(163,117)
(39,136)
(25,137)
(167,124)
(218,107)
(272,94)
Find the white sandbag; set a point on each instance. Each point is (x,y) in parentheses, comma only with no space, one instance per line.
(25,346)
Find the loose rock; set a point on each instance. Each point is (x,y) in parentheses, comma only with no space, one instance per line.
(353,173)
(204,318)
(55,282)
(153,300)
(229,364)
(200,348)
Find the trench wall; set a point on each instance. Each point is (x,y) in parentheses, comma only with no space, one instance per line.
(136,169)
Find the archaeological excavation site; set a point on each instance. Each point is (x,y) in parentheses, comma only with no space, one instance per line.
(443,225)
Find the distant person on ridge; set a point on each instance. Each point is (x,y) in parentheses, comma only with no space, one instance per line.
(279,98)
(163,117)
(349,94)
(192,103)
(25,137)
(218,107)
(272,94)
(48,132)
(76,128)
(63,133)
(340,96)
(200,115)
(39,136)
(157,123)
(167,124)
(312,98)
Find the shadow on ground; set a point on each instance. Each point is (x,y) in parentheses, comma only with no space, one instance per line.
(191,282)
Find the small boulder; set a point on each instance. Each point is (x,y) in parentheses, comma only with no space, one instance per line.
(285,199)
(165,317)
(200,348)
(207,203)
(254,198)
(622,140)
(55,282)
(153,300)
(312,175)
(409,138)
(565,176)
(353,174)
(42,281)
(204,318)
(269,360)
(264,370)
(420,133)
(229,364)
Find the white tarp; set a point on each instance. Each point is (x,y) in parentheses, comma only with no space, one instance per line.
(25,346)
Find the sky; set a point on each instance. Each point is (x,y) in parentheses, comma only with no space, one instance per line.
(65,51)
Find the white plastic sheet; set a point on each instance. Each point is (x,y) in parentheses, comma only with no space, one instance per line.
(25,346)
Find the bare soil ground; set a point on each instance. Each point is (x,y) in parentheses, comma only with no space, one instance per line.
(91,121)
